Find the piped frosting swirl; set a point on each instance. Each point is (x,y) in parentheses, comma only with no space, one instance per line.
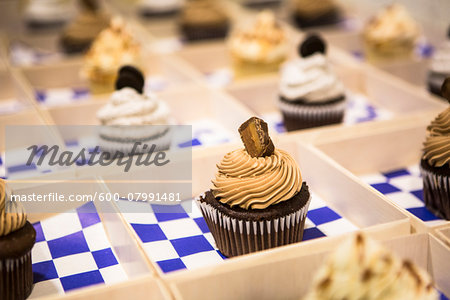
(437,145)
(256,182)
(264,41)
(128,107)
(362,269)
(113,48)
(12,215)
(310,79)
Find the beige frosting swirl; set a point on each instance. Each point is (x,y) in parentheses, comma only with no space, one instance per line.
(437,145)
(391,30)
(264,41)
(113,48)
(362,269)
(12,215)
(256,182)
(87,25)
(203,12)
(314,8)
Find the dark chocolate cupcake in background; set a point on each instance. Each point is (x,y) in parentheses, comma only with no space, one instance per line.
(79,34)
(435,162)
(310,93)
(17,238)
(203,19)
(439,67)
(309,13)
(258,199)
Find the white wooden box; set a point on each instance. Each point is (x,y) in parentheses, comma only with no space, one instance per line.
(387,156)
(288,275)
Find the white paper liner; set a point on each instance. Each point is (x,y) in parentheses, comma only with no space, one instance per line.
(161,140)
(305,116)
(436,193)
(236,237)
(16,275)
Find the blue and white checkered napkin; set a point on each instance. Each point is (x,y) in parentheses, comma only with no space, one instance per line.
(73,251)
(359,110)
(177,237)
(17,166)
(405,188)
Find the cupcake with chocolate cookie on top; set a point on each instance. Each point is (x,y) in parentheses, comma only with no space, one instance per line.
(133,119)
(435,162)
(311,95)
(258,199)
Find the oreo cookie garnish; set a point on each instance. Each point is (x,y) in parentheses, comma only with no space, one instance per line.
(130,77)
(445,89)
(312,44)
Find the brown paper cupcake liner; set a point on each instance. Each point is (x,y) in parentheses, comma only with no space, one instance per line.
(436,193)
(299,116)
(237,237)
(16,277)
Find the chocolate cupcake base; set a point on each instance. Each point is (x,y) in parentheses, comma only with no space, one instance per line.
(238,231)
(16,274)
(329,18)
(435,81)
(299,114)
(73,46)
(436,189)
(197,33)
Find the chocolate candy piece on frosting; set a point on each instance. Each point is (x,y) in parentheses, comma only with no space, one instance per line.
(255,136)
(130,77)
(312,44)
(445,89)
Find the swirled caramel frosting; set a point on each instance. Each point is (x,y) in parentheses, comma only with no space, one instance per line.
(12,215)
(256,182)
(362,269)
(436,148)
(264,41)
(114,47)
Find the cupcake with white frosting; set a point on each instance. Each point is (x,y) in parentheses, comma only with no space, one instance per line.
(259,48)
(439,68)
(360,268)
(311,95)
(132,119)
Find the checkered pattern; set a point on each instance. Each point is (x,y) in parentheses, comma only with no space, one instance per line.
(358,110)
(405,188)
(204,132)
(177,237)
(61,96)
(72,251)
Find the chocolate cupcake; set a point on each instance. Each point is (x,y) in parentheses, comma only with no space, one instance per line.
(79,34)
(435,162)
(17,237)
(310,93)
(258,200)
(132,117)
(203,19)
(309,13)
